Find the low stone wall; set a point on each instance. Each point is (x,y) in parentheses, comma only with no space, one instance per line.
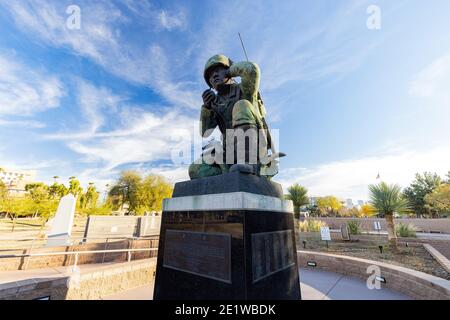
(415,284)
(93,285)
(9,264)
(123,226)
(441,245)
(423,225)
(440,258)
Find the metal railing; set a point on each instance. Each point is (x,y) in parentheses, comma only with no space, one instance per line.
(83,239)
(77,253)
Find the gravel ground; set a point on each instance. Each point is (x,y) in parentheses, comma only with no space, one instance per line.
(413,257)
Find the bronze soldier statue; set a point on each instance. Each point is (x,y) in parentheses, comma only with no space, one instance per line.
(236,106)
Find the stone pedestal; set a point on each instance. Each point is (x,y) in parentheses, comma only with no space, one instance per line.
(228,245)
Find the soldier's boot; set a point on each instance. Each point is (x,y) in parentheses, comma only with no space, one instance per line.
(246,159)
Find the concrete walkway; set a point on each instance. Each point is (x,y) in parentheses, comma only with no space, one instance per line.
(324,285)
(315,285)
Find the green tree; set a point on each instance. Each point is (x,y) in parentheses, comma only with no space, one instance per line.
(125,190)
(150,194)
(367,210)
(142,194)
(419,188)
(329,205)
(75,187)
(90,198)
(388,200)
(57,191)
(299,196)
(438,201)
(3,193)
(313,210)
(38,192)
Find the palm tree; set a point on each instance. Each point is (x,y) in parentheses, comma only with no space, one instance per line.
(299,197)
(387,200)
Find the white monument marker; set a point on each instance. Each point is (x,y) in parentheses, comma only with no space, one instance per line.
(325,233)
(61,228)
(377,226)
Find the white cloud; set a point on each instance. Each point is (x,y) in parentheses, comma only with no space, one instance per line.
(117,133)
(170,21)
(94,102)
(48,21)
(22,123)
(172,174)
(101,40)
(350,178)
(433,80)
(143,137)
(312,46)
(24,90)
(165,71)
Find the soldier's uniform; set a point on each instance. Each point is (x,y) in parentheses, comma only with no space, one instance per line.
(240,107)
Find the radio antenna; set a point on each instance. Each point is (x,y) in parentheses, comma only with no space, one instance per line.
(243,47)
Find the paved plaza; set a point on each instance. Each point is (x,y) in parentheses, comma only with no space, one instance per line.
(315,285)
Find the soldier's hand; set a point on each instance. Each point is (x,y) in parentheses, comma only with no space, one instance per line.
(208,97)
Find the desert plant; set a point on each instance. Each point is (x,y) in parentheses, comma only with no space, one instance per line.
(387,200)
(299,197)
(311,225)
(405,230)
(354,227)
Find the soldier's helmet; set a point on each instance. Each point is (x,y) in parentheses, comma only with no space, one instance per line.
(218,59)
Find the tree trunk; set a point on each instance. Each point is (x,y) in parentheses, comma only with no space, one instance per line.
(391,232)
(42,226)
(296,212)
(14,222)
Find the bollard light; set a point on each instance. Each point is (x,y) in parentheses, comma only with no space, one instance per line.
(304,244)
(381,249)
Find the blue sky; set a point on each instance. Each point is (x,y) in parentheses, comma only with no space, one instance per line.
(121,91)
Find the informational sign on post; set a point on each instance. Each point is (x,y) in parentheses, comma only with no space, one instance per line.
(325,233)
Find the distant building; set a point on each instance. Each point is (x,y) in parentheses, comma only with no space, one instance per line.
(361,202)
(16,180)
(313,201)
(349,203)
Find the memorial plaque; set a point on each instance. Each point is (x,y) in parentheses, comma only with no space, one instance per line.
(271,253)
(201,253)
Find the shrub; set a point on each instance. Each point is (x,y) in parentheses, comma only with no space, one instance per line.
(311,225)
(354,227)
(405,230)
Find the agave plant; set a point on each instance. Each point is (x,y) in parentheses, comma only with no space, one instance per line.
(388,200)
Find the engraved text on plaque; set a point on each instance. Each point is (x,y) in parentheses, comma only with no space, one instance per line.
(201,253)
(271,253)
